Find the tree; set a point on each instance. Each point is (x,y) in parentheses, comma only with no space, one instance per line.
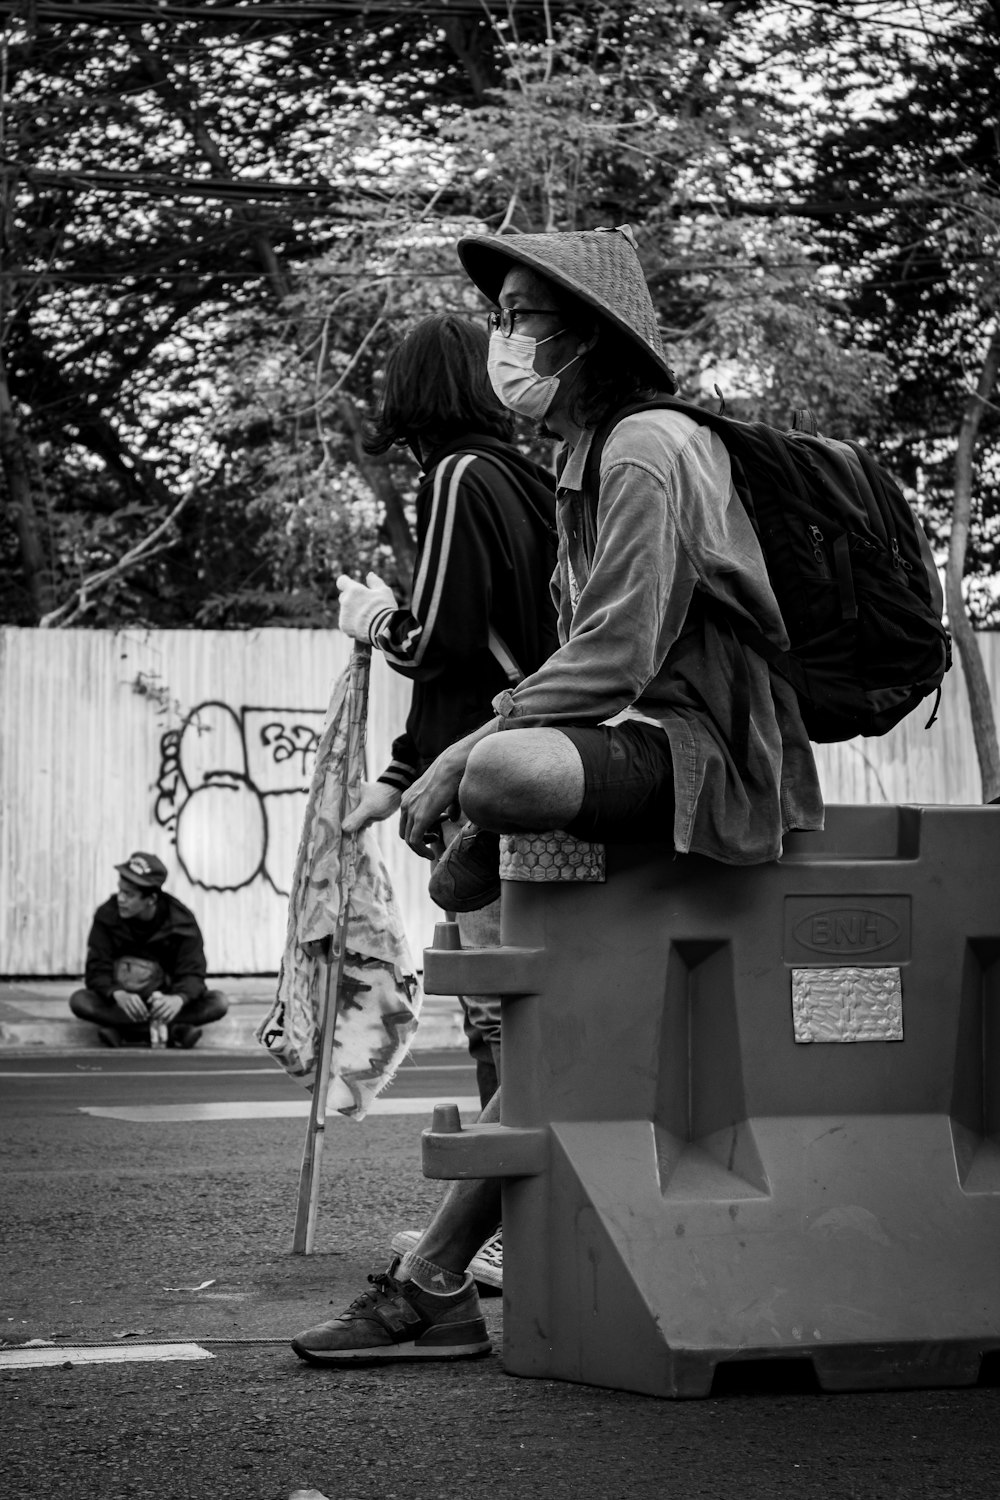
(109,320)
(569,115)
(219,221)
(980,701)
(169,172)
(928,294)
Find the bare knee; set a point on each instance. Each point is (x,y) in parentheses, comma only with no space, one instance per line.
(490,782)
(523,780)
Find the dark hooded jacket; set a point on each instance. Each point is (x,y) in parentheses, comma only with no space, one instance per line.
(481,614)
(172,939)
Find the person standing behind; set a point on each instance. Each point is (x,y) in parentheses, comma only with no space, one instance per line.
(480,615)
(145,964)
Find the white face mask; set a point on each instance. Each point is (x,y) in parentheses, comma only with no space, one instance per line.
(510,365)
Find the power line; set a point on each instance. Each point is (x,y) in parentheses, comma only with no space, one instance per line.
(253,12)
(171,185)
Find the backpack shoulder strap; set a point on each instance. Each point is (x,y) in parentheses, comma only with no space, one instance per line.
(505,658)
(592,467)
(731,432)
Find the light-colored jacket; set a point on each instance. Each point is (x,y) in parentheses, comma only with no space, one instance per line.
(639,636)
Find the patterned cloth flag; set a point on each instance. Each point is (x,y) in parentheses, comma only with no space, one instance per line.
(380,995)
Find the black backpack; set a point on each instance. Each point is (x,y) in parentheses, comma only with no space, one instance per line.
(849,564)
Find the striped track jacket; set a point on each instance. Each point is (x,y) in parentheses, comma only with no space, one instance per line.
(480,597)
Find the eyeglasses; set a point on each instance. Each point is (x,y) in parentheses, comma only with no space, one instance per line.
(502,318)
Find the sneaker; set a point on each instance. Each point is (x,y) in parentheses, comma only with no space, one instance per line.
(485,1267)
(398,1320)
(467,876)
(109,1036)
(487,1264)
(181,1035)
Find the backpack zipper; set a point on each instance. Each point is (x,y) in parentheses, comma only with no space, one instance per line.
(897,560)
(816,536)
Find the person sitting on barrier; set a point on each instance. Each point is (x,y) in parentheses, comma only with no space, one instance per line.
(651,720)
(145,969)
(480,615)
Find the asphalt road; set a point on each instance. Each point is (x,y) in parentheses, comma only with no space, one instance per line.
(128,1229)
(43,1084)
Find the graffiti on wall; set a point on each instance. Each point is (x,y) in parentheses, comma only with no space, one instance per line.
(231,791)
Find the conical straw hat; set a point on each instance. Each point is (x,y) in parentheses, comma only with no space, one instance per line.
(599,266)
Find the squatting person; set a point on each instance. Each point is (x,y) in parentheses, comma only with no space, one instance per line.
(145,964)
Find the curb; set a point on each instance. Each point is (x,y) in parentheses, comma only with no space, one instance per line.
(34,1018)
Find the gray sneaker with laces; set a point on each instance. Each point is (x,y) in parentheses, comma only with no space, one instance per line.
(397,1320)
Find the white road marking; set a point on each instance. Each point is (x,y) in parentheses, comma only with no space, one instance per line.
(263,1109)
(105,1073)
(102,1354)
(273,1072)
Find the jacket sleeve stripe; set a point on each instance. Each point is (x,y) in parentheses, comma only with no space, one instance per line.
(429,584)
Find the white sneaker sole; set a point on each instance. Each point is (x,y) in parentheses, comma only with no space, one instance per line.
(391,1352)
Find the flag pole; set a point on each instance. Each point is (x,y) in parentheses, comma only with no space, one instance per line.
(312,1154)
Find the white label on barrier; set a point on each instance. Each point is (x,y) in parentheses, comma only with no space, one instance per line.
(847,1005)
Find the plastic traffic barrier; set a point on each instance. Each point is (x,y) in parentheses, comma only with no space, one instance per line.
(750,1114)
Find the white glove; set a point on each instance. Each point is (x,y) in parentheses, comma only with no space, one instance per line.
(362,605)
(377,802)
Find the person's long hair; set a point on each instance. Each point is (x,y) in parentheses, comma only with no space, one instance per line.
(614,372)
(436,388)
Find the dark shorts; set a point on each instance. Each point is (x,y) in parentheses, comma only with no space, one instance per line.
(628,784)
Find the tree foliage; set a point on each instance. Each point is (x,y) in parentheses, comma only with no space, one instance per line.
(927,287)
(217,220)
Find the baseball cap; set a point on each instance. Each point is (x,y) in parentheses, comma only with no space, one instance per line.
(143,870)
